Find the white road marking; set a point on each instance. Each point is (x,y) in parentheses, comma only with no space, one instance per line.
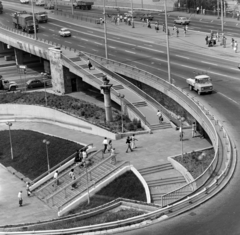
(151,49)
(112,47)
(68,42)
(182,57)
(43,27)
(130,52)
(160,59)
(98,43)
(84,39)
(94,50)
(45,35)
(52,30)
(74,36)
(235,69)
(89,31)
(80,45)
(228,98)
(147,45)
(115,37)
(209,63)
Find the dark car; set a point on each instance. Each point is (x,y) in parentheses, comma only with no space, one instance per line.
(146,16)
(35,83)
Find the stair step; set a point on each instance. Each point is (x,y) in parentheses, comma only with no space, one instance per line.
(166,181)
(140,104)
(118,87)
(157,168)
(160,126)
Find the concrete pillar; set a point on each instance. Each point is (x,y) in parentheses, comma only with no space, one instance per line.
(56,66)
(67,75)
(18,56)
(107,98)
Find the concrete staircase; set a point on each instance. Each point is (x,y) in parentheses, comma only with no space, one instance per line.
(160,126)
(155,169)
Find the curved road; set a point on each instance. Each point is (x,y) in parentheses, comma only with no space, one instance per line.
(220,215)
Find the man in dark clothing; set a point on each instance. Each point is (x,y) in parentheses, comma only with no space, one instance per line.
(128,142)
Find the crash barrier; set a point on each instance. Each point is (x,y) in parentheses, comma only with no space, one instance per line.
(98,80)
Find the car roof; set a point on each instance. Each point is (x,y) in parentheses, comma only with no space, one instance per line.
(34,79)
(202,76)
(64,29)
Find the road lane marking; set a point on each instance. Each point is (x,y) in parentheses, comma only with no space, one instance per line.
(228,98)
(209,63)
(98,43)
(130,52)
(147,45)
(45,35)
(151,49)
(52,30)
(160,59)
(57,38)
(89,31)
(112,47)
(74,36)
(182,57)
(115,37)
(43,27)
(81,45)
(68,42)
(235,69)
(94,50)
(84,39)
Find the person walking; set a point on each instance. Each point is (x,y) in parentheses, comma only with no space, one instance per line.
(181,134)
(174,27)
(143,21)
(235,46)
(73,177)
(156,27)
(56,180)
(185,31)
(206,39)
(109,145)
(160,117)
(128,142)
(20,199)
(121,18)
(232,43)
(105,144)
(89,64)
(118,21)
(133,139)
(177,32)
(113,156)
(238,15)
(129,21)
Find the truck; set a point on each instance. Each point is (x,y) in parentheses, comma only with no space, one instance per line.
(24,21)
(8,86)
(1,8)
(40,16)
(201,84)
(83,5)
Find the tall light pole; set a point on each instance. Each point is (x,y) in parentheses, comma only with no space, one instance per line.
(132,13)
(105,29)
(34,21)
(9,124)
(168,55)
(43,75)
(121,96)
(72,7)
(218,9)
(46,142)
(222,14)
(87,184)
(181,119)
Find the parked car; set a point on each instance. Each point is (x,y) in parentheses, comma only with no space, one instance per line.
(40,3)
(146,16)
(64,32)
(182,20)
(36,83)
(24,1)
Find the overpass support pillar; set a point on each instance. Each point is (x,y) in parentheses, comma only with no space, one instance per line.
(18,56)
(58,83)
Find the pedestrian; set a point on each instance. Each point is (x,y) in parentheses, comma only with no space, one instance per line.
(160,117)
(129,21)
(185,31)
(89,64)
(121,18)
(113,156)
(149,24)
(28,189)
(115,20)
(156,27)
(177,32)
(84,156)
(118,20)
(125,19)
(238,15)
(55,177)
(20,200)
(181,134)
(174,27)
(197,10)
(133,139)
(128,142)
(232,43)
(206,39)
(109,145)
(105,144)
(235,46)
(101,21)
(143,21)
(186,27)
(73,177)
(194,129)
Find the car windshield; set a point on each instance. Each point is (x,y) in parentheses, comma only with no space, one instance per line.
(204,80)
(65,30)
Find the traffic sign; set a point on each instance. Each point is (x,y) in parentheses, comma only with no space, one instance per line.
(22,66)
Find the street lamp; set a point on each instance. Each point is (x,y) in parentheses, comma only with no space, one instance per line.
(105,29)
(34,21)
(46,142)
(87,183)
(44,75)
(181,119)
(132,14)
(121,96)
(9,124)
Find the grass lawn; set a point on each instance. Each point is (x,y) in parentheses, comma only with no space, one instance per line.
(30,152)
(191,162)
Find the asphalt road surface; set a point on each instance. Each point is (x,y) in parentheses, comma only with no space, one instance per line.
(220,215)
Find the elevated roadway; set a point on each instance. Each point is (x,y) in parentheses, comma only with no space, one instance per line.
(220,215)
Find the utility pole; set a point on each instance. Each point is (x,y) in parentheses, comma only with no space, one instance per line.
(34,21)
(72,7)
(168,55)
(222,14)
(218,8)
(105,29)
(132,13)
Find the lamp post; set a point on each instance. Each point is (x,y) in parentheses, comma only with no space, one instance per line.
(87,184)
(34,21)
(44,75)
(121,96)
(72,7)
(105,29)
(132,13)
(9,124)
(181,119)
(46,142)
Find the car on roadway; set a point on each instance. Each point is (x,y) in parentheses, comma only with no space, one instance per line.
(130,14)
(24,1)
(146,16)
(49,5)
(40,3)
(182,20)
(64,32)
(36,83)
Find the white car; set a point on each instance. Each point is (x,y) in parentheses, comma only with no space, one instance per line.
(24,1)
(64,32)
(182,20)
(40,3)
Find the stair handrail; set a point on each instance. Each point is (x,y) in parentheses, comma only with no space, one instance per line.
(77,178)
(60,164)
(66,172)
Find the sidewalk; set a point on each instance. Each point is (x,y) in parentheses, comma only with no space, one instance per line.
(151,150)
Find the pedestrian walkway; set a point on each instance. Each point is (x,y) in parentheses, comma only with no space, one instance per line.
(152,149)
